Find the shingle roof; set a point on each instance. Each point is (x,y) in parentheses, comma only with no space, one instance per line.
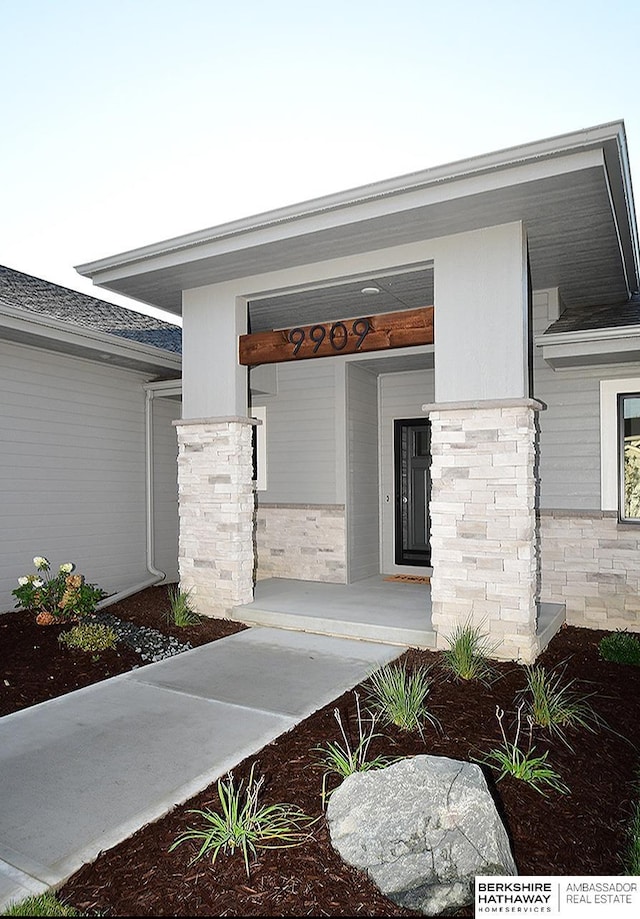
(602,317)
(38,296)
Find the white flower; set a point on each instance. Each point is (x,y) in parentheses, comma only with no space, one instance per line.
(67,568)
(41,563)
(38,583)
(23,581)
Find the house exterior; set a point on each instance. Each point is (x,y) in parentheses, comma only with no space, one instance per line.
(87,445)
(481,442)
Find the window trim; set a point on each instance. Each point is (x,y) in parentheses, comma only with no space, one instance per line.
(610,480)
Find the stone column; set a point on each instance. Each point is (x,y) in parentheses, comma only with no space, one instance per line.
(216,508)
(483,526)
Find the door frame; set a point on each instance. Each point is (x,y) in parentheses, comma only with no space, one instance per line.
(399,527)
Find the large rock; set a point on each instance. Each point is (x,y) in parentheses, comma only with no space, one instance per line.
(422,829)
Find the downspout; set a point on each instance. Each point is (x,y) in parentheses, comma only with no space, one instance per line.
(156,574)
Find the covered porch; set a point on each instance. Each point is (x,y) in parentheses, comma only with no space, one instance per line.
(373,609)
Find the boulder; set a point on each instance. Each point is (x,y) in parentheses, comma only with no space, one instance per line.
(422,829)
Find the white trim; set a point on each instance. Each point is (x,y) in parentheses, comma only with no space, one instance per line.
(609,390)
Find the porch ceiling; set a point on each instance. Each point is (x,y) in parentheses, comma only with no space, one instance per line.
(572,193)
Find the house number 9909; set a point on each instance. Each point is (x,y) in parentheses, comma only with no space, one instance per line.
(338,335)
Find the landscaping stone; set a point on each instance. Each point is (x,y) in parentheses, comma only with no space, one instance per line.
(422,829)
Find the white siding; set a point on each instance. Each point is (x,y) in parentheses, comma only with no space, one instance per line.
(301,427)
(165,486)
(570,426)
(402,395)
(362,465)
(72,468)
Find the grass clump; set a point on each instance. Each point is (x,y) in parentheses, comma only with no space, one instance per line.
(245,825)
(345,758)
(89,636)
(523,765)
(45,904)
(400,696)
(467,656)
(620,647)
(554,704)
(182,612)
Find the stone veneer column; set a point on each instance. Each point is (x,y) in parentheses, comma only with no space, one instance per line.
(483,540)
(216,510)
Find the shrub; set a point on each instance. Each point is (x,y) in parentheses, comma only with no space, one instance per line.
(64,595)
(181,612)
(45,904)
(244,824)
(523,764)
(89,636)
(555,705)
(399,696)
(620,647)
(467,655)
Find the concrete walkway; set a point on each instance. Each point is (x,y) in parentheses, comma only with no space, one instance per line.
(80,773)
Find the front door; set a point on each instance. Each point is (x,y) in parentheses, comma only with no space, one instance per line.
(412,447)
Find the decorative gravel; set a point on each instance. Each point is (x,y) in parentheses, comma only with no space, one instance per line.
(150,644)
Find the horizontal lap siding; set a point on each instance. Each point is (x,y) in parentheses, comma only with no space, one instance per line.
(165,486)
(362,465)
(72,468)
(301,435)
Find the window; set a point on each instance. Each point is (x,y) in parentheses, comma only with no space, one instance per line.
(629,456)
(611,433)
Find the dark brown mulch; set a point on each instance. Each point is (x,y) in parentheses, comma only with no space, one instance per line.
(35,667)
(582,833)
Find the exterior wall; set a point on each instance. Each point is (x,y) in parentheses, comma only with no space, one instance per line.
(301,520)
(588,560)
(402,395)
(306,542)
(592,563)
(362,470)
(72,468)
(165,486)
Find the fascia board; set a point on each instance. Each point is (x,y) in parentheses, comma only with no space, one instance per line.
(36,328)
(572,349)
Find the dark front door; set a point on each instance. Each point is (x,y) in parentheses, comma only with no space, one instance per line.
(412,444)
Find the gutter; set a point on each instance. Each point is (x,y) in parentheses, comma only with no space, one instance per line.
(169,387)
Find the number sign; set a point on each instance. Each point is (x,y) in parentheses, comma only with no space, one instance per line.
(348,336)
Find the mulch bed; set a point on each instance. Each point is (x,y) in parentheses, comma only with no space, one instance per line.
(582,833)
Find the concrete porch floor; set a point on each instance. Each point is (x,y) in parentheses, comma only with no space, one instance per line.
(374,609)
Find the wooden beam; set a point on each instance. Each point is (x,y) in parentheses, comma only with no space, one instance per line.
(401,329)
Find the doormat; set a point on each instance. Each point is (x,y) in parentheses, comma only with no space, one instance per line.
(411,578)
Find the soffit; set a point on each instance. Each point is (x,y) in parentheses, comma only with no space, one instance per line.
(573,242)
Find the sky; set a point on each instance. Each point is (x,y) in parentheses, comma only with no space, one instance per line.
(127,122)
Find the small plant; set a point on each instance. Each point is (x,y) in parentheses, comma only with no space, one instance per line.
(56,598)
(400,696)
(523,764)
(181,612)
(89,636)
(244,824)
(555,705)
(620,647)
(467,655)
(45,904)
(343,759)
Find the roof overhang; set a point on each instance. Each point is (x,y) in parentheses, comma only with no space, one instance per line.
(42,331)
(593,346)
(573,194)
